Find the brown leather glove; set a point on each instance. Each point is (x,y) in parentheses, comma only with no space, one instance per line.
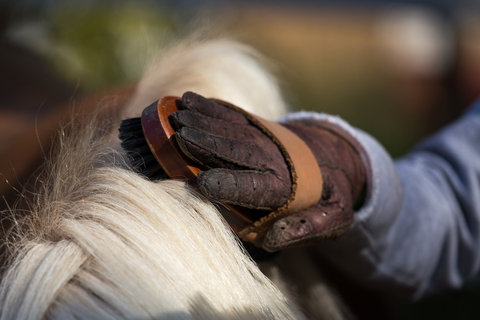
(248,169)
(344,179)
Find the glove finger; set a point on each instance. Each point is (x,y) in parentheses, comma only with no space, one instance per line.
(214,151)
(309,226)
(246,188)
(195,102)
(219,127)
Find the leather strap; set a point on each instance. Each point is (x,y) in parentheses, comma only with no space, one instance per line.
(307,181)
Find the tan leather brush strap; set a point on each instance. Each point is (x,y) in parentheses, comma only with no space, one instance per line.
(306,176)
(305,173)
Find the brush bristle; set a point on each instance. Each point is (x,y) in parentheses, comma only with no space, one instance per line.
(141,158)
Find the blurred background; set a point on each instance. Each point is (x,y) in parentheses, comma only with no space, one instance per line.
(399,70)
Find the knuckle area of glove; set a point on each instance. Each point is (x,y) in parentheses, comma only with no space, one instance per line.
(211,159)
(251,189)
(195,102)
(235,152)
(217,127)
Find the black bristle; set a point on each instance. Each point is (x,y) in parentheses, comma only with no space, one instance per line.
(141,158)
(131,122)
(152,170)
(133,143)
(160,175)
(128,135)
(142,149)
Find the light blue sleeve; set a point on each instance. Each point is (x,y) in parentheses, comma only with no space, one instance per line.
(419,229)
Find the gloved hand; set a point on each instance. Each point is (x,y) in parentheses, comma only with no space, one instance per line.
(344,184)
(248,169)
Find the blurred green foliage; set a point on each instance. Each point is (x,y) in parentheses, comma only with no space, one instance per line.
(105,43)
(326,65)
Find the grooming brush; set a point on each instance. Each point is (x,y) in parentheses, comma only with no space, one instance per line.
(153,152)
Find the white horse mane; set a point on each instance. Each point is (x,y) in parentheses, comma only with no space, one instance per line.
(102,242)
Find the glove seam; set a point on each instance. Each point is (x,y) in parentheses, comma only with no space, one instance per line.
(337,167)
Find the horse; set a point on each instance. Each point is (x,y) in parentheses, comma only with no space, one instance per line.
(100,241)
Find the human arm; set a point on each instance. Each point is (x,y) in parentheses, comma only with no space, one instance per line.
(244,165)
(411,236)
(418,230)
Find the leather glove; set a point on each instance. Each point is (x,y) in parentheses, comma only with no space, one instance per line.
(344,184)
(246,168)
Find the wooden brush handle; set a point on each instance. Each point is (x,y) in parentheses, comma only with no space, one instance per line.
(161,140)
